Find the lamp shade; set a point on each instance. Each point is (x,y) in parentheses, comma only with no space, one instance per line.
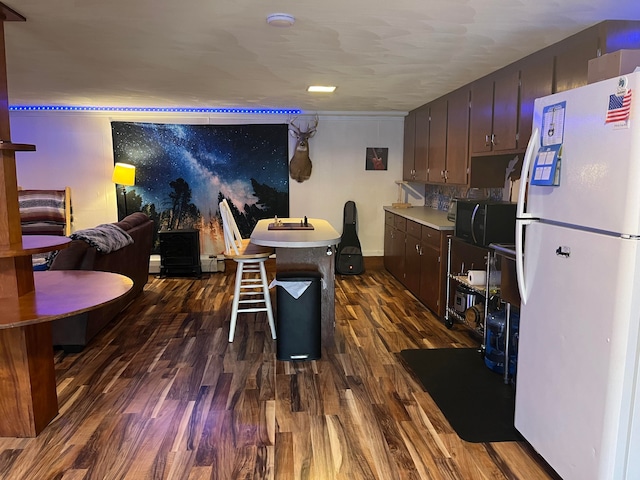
(124,174)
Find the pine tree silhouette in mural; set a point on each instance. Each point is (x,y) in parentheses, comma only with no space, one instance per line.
(183,213)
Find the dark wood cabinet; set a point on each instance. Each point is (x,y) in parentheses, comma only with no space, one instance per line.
(421,157)
(408,153)
(437,140)
(572,57)
(494,113)
(412,271)
(394,243)
(449,138)
(536,80)
(456,171)
(433,269)
(481,122)
(475,131)
(413,254)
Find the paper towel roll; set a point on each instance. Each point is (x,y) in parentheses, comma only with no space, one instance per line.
(477,277)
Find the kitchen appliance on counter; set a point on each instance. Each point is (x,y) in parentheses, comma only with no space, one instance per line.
(451,211)
(578,270)
(482,222)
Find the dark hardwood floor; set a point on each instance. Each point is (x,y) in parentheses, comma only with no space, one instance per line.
(161,394)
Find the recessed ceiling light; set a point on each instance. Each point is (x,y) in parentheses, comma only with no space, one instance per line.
(281,20)
(321,88)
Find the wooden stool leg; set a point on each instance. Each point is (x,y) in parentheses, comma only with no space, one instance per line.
(236,300)
(267,299)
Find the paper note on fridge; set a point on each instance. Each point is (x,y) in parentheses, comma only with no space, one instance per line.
(546,168)
(552,132)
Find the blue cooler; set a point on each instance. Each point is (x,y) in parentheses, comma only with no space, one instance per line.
(495,346)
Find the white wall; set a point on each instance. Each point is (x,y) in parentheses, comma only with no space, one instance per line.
(75,149)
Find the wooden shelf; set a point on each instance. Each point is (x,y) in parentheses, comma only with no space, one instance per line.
(32,244)
(62,293)
(17,147)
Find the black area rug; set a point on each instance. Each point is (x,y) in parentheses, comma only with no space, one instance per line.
(475,400)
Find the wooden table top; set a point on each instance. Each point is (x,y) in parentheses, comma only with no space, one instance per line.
(32,244)
(62,293)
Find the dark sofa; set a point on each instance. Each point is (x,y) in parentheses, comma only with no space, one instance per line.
(73,333)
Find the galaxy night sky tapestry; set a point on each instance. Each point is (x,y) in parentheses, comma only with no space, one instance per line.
(184,171)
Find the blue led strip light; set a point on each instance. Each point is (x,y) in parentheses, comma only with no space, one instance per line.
(268,111)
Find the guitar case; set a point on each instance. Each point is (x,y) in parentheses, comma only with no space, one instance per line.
(349,259)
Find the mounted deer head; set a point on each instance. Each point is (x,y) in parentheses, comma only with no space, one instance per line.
(300,164)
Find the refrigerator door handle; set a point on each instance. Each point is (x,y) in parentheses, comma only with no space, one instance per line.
(524,177)
(520,278)
(523,218)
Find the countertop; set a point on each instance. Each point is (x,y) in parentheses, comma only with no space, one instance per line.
(322,235)
(430,217)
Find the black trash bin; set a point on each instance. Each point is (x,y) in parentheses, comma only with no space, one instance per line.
(298,320)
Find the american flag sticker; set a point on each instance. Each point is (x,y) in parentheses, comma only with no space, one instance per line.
(619,107)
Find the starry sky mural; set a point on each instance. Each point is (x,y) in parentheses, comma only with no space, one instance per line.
(183,172)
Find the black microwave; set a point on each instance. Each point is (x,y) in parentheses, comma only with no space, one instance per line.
(482,222)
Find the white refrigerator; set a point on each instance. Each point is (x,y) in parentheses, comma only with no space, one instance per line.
(578,270)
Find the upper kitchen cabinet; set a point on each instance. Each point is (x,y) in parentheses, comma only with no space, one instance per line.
(437,140)
(572,57)
(421,158)
(619,34)
(416,142)
(449,138)
(494,112)
(536,80)
(457,167)
(408,152)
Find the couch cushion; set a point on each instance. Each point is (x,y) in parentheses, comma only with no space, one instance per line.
(132,220)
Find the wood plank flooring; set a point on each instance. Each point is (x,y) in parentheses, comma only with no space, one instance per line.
(161,394)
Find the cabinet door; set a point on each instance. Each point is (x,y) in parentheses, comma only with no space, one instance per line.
(457,137)
(572,59)
(412,264)
(494,112)
(432,274)
(388,246)
(438,140)
(421,155)
(505,110)
(408,154)
(394,246)
(481,125)
(430,281)
(536,80)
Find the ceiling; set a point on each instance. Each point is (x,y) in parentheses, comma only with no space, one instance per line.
(383,55)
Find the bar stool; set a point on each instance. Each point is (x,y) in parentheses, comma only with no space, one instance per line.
(251,292)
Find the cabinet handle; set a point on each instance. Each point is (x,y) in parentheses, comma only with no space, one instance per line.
(446,174)
(486,140)
(493,139)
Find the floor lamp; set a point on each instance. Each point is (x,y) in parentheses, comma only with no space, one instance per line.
(125,175)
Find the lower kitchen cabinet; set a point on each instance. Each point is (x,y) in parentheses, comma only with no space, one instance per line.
(415,255)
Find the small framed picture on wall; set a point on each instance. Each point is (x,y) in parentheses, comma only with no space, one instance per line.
(376,158)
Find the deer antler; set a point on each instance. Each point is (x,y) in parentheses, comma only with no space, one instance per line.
(294,126)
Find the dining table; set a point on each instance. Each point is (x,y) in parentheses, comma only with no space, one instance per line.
(303,245)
